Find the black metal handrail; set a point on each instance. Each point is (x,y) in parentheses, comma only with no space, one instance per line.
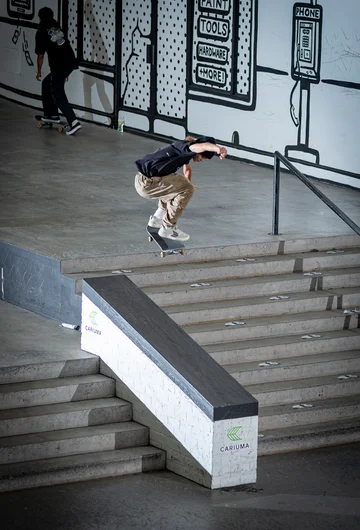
(278,157)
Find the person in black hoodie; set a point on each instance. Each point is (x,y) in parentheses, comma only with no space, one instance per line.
(62,61)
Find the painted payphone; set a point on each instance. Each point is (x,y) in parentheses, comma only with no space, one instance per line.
(24,9)
(305,70)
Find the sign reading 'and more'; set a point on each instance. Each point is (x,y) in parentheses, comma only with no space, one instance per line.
(217,76)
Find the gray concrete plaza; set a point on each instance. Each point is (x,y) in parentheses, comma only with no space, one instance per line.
(317,490)
(73,197)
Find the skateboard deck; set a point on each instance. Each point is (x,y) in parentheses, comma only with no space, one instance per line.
(167,246)
(60,126)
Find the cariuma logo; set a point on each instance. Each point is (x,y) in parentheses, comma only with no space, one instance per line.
(232,434)
(92,316)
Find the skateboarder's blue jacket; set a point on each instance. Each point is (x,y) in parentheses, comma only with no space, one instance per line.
(165,160)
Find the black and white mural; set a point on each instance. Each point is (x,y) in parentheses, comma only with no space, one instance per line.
(305,70)
(223,52)
(258,75)
(21,9)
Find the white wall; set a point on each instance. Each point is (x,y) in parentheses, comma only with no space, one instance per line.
(334,110)
(264,124)
(15,71)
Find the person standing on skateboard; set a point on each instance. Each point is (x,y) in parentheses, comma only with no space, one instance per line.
(62,61)
(157,179)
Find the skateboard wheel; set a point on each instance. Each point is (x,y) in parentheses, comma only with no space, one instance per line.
(182,251)
(162,254)
(150,239)
(40,124)
(60,129)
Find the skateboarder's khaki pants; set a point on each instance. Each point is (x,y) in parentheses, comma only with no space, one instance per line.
(173,192)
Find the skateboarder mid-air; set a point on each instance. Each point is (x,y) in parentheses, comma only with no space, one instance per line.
(51,40)
(157,179)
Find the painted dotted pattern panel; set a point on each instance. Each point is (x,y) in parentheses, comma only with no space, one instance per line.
(72,24)
(135,70)
(244,56)
(171,58)
(99,31)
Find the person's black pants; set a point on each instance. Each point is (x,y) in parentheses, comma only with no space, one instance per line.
(54,97)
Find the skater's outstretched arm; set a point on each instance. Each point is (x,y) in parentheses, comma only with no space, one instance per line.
(207,146)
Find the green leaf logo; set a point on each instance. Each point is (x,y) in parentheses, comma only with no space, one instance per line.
(232,434)
(92,316)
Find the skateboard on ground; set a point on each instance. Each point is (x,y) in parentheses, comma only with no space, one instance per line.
(167,246)
(60,126)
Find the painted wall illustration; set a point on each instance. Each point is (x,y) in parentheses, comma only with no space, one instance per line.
(305,70)
(258,75)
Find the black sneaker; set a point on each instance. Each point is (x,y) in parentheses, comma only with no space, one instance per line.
(50,119)
(75,126)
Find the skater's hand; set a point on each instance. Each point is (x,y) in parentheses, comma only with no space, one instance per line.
(38,76)
(222,153)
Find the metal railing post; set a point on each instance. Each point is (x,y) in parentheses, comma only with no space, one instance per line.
(276,196)
(278,157)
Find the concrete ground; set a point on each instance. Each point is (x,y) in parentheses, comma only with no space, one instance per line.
(74,197)
(28,338)
(317,490)
(71,197)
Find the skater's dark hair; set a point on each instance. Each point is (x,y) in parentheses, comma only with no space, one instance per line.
(46,16)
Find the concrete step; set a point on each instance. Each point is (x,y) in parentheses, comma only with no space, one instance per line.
(178,293)
(48,391)
(325,410)
(232,268)
(308,390)
(61,416)
(238,309)
(66,469)
(311,436)
(273,348)
(296,367)
(347,297)
(72,441)
(316,321)
(48,370)
(268,248)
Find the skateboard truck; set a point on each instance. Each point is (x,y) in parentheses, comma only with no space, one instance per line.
(167,246)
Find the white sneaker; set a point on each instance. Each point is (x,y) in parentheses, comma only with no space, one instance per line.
(173,233)
(154,221)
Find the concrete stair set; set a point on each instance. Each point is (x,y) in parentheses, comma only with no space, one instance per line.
(66,429)
(283,335)
(285,326)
